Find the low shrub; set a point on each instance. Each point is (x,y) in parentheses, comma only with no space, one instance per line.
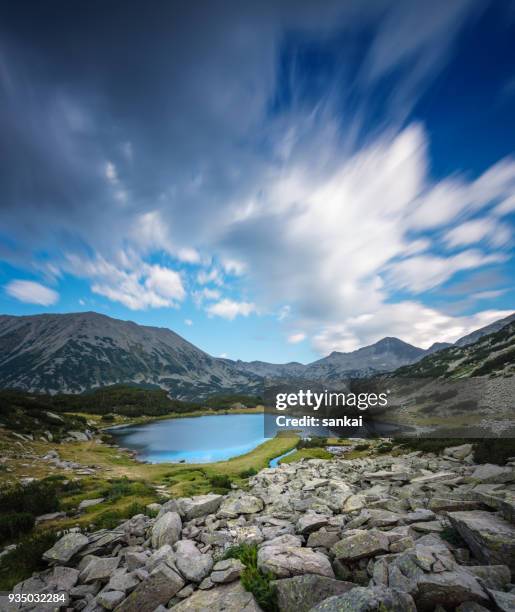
(14,524)
(25,559)
(40,497)
(254,580)
(221,483)
(313,442)
(248,473)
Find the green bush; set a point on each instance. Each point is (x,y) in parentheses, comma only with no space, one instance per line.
(362,447)
(386,447)
(36,497)
(254,580)
(221,483)
(494,450)
(248,473)
(14,524)
(25,559)
(313,442)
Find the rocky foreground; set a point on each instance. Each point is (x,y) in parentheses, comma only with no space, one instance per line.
(416,532)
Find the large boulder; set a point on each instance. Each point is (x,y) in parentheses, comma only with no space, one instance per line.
(200,505)
(491,473)
(161,585)
(99,568)
(361,543)
(371,599)
(285,561)
(310,521)
(65,548)
(491,538)
(301,593)
(232,507)
(191,563)
(227,570)
(224,598)
(166,530)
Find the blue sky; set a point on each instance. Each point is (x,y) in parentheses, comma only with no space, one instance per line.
(271,182)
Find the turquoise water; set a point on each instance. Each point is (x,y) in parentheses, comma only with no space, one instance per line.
(275,462)
(193,440)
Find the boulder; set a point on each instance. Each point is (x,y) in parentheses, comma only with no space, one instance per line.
(166,530)
(301,593)
(191,563)
(63,578)
(286,561)
(110,599)
(88,503)
(200,505)
(371,599)
(458,452)
(99,568)
(491,473)
(232,507)
(226,571)
(65,548)
(492,576)
(505,602)
(224,598)
(161,585)
(122,580)
(361,543)
(311,522)
(491,538)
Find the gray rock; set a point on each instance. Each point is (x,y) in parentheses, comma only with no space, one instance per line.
(471,606)
(372,599)
(361,544)
(310,522)
(191,563)
(66,547)
(491,473)
(122,580)
(301,593)
(135,560)
(505,602)
(491,538)
(492,576)
(232,507)
(162,584)
(166,530)
(458,452)
(87,503)
(226,571)
(287,561)
(224,598)
(110,599)
(63,578)
(200,505)
(99,568)
(323,539)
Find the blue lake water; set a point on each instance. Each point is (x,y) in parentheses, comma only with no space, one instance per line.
(193,440)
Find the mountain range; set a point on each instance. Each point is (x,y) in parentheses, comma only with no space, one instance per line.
(76,352)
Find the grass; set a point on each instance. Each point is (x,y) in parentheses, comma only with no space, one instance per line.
(307,453)
(252,578)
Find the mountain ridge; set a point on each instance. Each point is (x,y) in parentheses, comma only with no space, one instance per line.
(77,352)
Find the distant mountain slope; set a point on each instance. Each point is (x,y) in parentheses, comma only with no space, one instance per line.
(490,355)
(484,331)
(80,351)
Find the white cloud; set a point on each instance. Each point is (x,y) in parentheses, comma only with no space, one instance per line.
(188,255)
(131,282)
(476,230)
(111,173)
(229,309)
(205,277)
(31,292)
(426,326)
(424,272)
(296,338)
(223,356)
(188,322)
(233,266)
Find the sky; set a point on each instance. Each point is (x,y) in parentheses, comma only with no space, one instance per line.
(272,180)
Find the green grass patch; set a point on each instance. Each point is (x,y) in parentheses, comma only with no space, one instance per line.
(307,453)
(252,578)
